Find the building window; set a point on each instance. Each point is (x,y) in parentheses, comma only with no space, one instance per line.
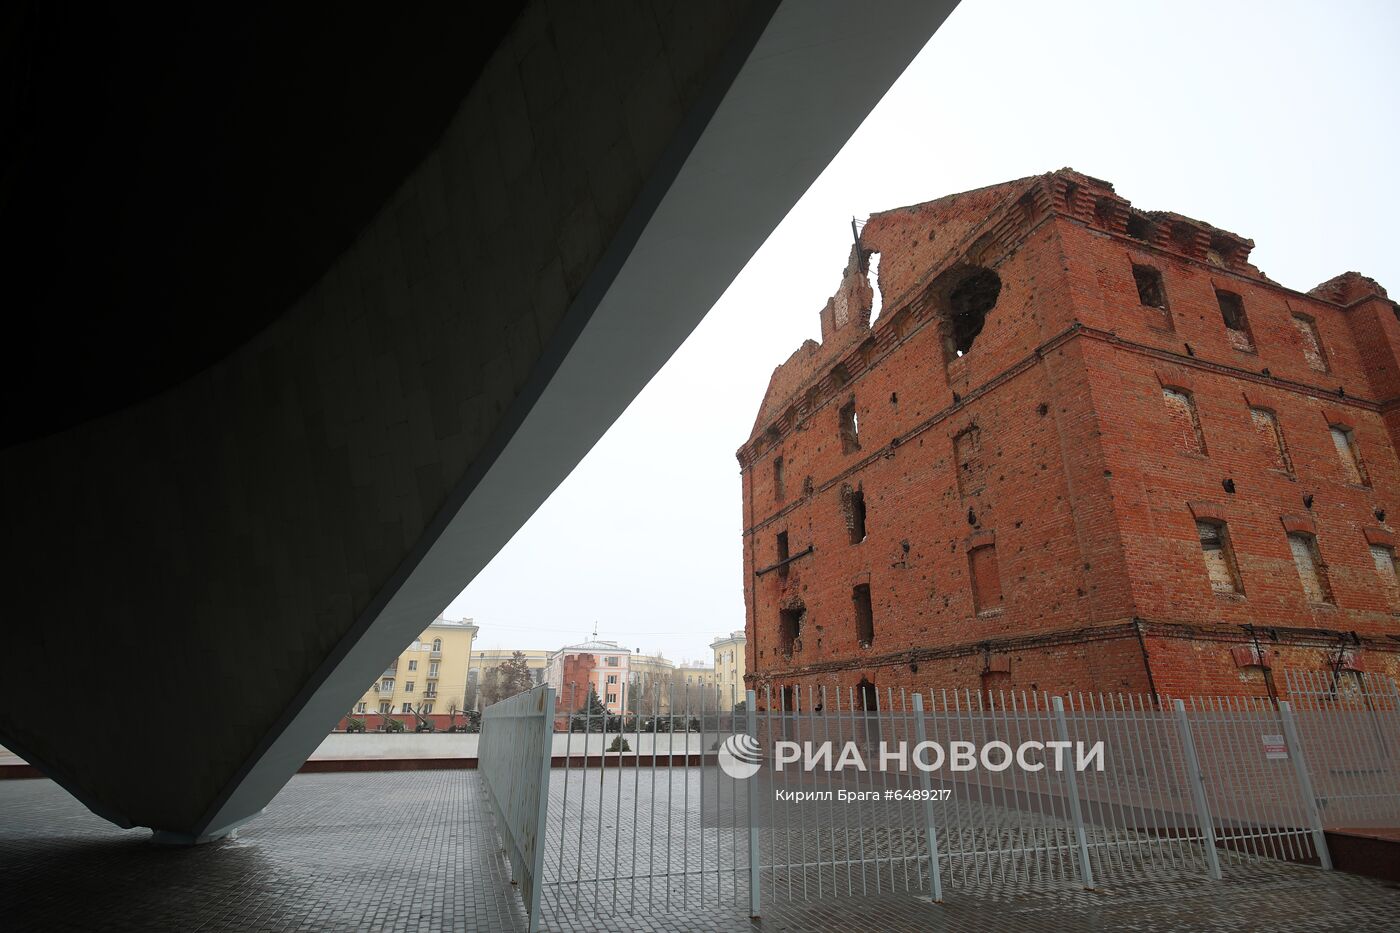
(789,628)
(360,708)
(408,686)
(1312,342)
(967,452)
(968,304)
(1219,557)
(413,665)
(853,511)
(433,669)
(385,706)
(427,708)
(611,660)
(387,686)
(408,708)
(1310,568)
(865,615)
(612,678)
(849,427)
(986,579)
(782,553)
(612,697)
(1149,286)
(1384,556)
(1271,434)
(437,645)
(1236,324)
(1344,439)
(1186,424)
(778,479)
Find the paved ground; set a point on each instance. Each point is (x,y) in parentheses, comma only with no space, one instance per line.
(416,851)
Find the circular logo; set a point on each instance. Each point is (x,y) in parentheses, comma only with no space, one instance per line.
(740,757)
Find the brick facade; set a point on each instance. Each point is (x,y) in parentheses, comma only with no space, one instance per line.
(1083,447)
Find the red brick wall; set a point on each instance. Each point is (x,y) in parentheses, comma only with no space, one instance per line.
(1076,473)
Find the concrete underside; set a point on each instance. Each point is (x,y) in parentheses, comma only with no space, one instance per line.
(245,550)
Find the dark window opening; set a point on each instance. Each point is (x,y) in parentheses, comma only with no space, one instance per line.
(968,305)
(1232,313)
(782,553)
(789,629)
(867,696)
(1149,286)
(853,505)
(850,428)
(778,478)
(785,698)
(865,615)
(1104,211)
(1139,227)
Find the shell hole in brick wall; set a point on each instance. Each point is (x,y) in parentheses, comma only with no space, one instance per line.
(968,304)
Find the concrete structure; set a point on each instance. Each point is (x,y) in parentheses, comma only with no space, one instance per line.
(1083,447)
(729,663)
(340,301)
(429,676)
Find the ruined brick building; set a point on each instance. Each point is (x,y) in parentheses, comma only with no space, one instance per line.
(1083,447)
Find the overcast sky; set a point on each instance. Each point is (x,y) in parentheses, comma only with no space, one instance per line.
(1275,120)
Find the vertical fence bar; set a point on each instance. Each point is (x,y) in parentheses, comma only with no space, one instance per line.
(926,786)
(1300,765)
(1197,779)
(755,891)
(1086,871)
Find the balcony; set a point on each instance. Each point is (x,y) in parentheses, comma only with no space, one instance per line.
(435,655)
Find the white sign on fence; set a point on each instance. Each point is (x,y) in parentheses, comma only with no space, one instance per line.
(1274,746)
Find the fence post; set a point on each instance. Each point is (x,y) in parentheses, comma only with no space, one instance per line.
(1198,788)
(926,785)
(1086,871)
(751,715)
(1300,765)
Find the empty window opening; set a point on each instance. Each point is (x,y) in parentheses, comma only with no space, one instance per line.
(968,305)
(1271,434)
(1344,439)
(1104,211)
(1310,568)
(1151,291)
(867,696)
(1384,557)
(778,478)
(782,553)
(853,509)
(986,579)
(1140,228)
(1312,342)
(785,697)
(967,451)
(789,628)
(1236,324)
(865,615)
(850,428)
(872,275)
(1186,423)
(1219,557)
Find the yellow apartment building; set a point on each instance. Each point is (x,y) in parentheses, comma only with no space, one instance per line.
(430,675)
(729,663)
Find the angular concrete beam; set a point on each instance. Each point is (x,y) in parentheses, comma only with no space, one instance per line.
(249,549)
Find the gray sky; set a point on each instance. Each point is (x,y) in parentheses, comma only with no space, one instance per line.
(1274,120)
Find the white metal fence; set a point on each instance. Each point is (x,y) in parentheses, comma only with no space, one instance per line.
(514,758)
(646,815)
